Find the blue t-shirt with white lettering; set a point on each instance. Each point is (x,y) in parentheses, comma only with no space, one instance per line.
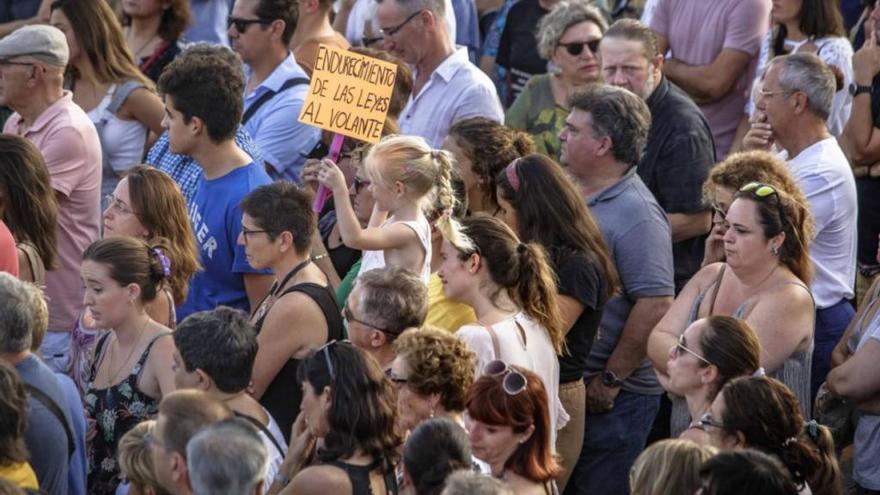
(216,223)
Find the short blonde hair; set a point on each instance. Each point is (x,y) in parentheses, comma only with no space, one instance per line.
(669,466)
(134,457)
(41,315)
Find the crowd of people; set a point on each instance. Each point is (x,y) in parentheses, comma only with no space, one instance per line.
(602,247)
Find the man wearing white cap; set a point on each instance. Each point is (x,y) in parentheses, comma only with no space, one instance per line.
(32,61)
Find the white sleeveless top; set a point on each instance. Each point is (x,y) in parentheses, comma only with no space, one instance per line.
(376,259)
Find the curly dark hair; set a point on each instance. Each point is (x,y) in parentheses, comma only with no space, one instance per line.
(363,413)
(439,363)
(13,417)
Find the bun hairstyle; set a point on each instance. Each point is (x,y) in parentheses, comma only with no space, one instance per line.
(132,261)
(522,269)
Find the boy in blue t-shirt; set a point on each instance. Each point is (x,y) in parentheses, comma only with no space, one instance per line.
(203,105)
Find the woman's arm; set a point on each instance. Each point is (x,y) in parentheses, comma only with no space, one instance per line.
(160,364)
(841,351)
(859,377)
(784,323)
(144,106)
(294,323)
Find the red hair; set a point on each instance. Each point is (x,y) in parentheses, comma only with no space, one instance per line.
(488,403)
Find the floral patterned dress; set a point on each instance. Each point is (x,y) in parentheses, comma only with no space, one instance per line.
(114,410)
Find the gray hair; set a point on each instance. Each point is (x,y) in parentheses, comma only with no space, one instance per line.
(16,315)
(564,15)
(808,73)
(393,299)
(465,482)
(226,458)
(619,114)
(437,7)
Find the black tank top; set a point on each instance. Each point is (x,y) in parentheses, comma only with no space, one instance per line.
(283,396)
(359,476)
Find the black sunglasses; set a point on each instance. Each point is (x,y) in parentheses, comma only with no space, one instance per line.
(576,47)
(241,25)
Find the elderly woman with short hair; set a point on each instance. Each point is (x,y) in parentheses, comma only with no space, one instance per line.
(568,37)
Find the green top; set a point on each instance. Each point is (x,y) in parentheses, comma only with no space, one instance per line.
(536,112)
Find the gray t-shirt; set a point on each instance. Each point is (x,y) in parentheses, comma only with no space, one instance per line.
(639,238)
(45,437)
(866,469)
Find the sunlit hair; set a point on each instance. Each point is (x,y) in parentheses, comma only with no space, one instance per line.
(30,209)
(362,413)
(669,466)
(439,363)
(173,22)
(739,169)
(135,459)
(490,146)
(488,403)
(99,36)
(767,415)
(161,208)
(130,261)
(553,25)
(521,269)
(551,211)
(13,417)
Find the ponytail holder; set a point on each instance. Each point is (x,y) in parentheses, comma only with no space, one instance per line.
(435,154)
(522,248)
(163,260)
(759,373)
(813,429)
(788,441)
(512,176)
(447,212)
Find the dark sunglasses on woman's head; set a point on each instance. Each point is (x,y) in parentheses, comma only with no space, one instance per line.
(575,48)
(512,382)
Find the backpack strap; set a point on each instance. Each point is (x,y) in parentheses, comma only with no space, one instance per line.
(268,95)
(263,429)
(56,411)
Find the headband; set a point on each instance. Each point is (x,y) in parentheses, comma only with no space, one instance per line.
(512,176)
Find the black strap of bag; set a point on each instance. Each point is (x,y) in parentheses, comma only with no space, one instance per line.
(268,95)
(56,411)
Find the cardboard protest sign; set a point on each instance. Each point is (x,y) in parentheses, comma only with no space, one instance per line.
(349,94)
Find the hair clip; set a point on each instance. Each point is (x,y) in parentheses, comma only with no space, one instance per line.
(163,260)
(512,176)
(759,373)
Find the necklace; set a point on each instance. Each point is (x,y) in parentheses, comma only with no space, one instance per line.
(276,288)
(113,375)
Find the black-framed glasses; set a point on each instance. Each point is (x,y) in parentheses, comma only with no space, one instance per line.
(707,420)
(512,382)
(349,317)
(760,190)
(117,205)
(575,48)
(359,183)
(398,381)
(241,25)
(245,232)
(369,41)
(325,350)
(388,32)
(680,346)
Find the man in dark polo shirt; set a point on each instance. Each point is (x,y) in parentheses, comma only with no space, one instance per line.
(680,148)
(861,143)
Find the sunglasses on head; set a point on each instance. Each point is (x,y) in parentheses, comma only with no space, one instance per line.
(682,347)
(325,349)
(575,48)
(706,420)
(761,191)
(512,382)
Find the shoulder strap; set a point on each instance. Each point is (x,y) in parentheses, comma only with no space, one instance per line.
(99,354)
(268,95)
(254,421)
(495,346)
(146,353)
(121,93)
(326,300)
(717,289)
(56,411)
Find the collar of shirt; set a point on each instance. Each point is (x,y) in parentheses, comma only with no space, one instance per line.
(45,118)
(615,190)
(658,94)
(447,69)
(288,69)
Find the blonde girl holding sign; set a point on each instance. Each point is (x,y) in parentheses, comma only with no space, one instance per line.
(405,176)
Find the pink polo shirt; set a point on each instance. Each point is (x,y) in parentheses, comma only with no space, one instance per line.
(69,143)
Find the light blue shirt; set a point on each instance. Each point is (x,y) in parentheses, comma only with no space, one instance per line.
(456,90)
(209,21)
(275,127)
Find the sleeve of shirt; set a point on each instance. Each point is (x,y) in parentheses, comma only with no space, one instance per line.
(817,190)
(479,101)
(281,137)
(579,280)
(478,340)
(643,257)
(660,18)
(517,116)
(64,153)
(747,25)
(687,156)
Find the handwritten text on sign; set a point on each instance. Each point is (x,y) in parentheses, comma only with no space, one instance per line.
(349,94)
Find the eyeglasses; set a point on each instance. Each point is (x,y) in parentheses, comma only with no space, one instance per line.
(360,183)
(117,205)
(347,314)
(768,94)
(150,440)
(761,191)
(681,346)
(389,32)
(706,420)
(368,41)
(246,232)
(241,25)
(325,349)
(575,48)
(512,382)
(719,211)
(396,380)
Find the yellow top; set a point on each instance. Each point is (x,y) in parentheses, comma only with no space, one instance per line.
(443,313)
(20,474)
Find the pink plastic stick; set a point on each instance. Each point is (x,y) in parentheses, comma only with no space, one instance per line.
(323,193)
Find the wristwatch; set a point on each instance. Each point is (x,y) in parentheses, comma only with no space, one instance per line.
(857,89)
(610,379)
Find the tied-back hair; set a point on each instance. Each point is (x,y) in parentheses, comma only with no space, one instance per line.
(426,172)
(671,466)
(490,146)
(769,417)
(435,449)
(13,417)
(732,346)
(135,459)
(521,269)
(161,208)
(488,402)
(794,222)
(99,36)
(751,471)
(551,212)
(130,261)
(818,19)
(30,209)
(362,413)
